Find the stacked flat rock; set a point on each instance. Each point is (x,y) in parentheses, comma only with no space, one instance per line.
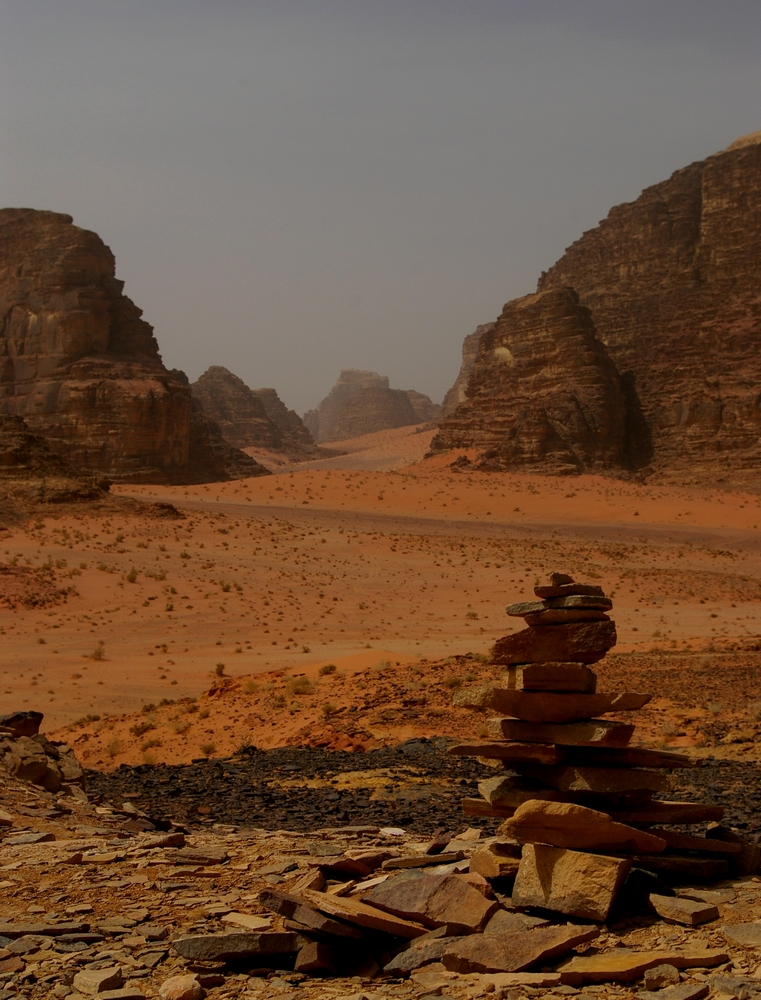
(569,779)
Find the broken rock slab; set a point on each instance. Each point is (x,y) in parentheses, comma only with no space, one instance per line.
(746,935)
(226,947)
(624,965)
(435,901)
(294,908)
(181,988)
(678,910)
(418,956)
(92,982)
(687,991)
(598,780)
(565,824)
(514,952)
(571,882)
(498,858)
(363,915)
(573,677)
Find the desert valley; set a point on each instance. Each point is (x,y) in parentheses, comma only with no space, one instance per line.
(275,670)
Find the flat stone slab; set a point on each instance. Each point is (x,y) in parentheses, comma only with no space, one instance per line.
(545,706)
(295,908)
(514,952)
(670,812)
(362,914)
(578,642)
(550,677)
(676,869)
(686,991)
(624,965)
(598,780)
(746,935)
(569,590)
(48,930)
(594,602)
(563,616)
(628,757)
(686,842)
(591,732)
(226,947)
(496,859)
(94,981)
(541,753)
(434,900)
(678,910)
(515,790)
(576,883)
(565,824)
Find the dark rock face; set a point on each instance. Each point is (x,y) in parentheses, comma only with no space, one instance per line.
(240,413)
(362,402)
(543,391)
(78,363)
(670,282)
(425,409)
(457,394)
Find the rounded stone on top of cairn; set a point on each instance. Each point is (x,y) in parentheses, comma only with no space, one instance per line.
(554,748)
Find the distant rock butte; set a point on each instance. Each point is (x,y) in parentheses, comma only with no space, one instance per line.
(82,368)
(251,418)
(641,348)
(361,402)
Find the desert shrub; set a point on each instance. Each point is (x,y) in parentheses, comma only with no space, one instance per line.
(299,685)
(328,709)
(250,687)
(327,668)
(142,727)
(219,670)
(207,749)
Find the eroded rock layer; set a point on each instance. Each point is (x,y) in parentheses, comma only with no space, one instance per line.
(670,282)
(79,364)
(239,412)
(295,436)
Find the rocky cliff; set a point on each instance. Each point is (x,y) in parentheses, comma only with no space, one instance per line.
(670,286)
(79,364)
(457,394)
(295,436)
(361,402)
(240,413)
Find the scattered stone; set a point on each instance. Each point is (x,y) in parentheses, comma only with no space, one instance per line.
(565,824)
(509,922)
(230,946)
(687,991)
(5,818)
(94,981)
(496,859)
(181,988)
(248,920)
(52,930)
(200,856)
(748,859)
(417,956)
(746,935)
(435,901)
(294,908)
(624,965)
(422,860)
(677,910)
(362,914)
(570,882)
(514,952)
(36,837)
(660,976)
(315,958)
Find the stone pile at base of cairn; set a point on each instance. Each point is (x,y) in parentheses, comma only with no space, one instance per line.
(583,829)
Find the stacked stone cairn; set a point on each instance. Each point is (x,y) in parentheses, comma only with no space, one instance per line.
(581,819)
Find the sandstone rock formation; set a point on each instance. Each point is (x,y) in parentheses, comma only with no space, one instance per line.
(457,394)
(425,409)
(79,364)
(361,402)
(295,436)
(667,290)
(240,413)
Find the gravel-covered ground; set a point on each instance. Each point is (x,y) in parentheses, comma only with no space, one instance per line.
(416,785)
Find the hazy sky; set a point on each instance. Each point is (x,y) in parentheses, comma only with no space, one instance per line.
(292,187)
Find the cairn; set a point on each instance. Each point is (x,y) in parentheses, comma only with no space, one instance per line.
(571,782)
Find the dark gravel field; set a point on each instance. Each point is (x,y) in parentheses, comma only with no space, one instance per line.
(423,788)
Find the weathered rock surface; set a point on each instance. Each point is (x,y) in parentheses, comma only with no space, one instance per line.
(361,402)
(425,409)
(295,437)
(240,413)
(78,363)
(591,732)
(565,824)
(514,952)
(571,882)
(435,901)
(543,391)
(457,394)
(225,947)
(683,911)
(623,965)
(660,302)
(582,642)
